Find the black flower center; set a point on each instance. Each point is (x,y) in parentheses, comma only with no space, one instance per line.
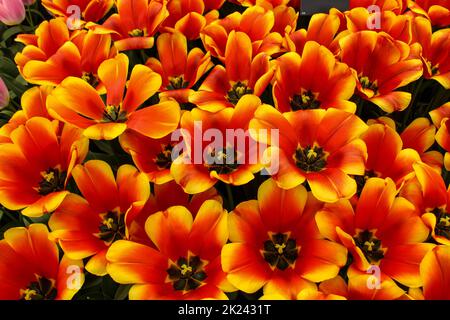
(112,227)
(310,159)
(177,83)
(305,101)
(90,78)
(442,227)
(433,68)
(370,246)
(136,33)
(187,274)
(280,251)
(52,181)
(238,90)
(367,84)
(163,159)
(114,114)
(223,161)
(42,289)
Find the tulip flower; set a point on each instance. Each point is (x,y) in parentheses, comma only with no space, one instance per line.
(12,12)
(4,94)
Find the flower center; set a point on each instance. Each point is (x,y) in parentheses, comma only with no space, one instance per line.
(442,227)
(163,159)
(367,84)
(187,274)
(42,289)
(112,227)
(114,114)
(304,101)
(177,83)
(222,161)
(238,90)
(90,78)
(280,251)
(310,159)
(434,69)
(52,181)
(136,33)
(370,246)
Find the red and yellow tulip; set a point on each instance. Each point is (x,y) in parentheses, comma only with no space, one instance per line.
(86,226)
(100,120)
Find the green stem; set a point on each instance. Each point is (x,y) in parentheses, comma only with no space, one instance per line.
(9,215)
(29,17)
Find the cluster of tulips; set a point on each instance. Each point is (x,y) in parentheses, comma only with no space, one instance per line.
(212,149)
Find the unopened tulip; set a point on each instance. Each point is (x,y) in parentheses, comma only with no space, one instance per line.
(12,12)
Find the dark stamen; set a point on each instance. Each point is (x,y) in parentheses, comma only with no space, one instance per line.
(310,159)
(304,101)
(370,246)
(280,251)
(238,90)
(187,274)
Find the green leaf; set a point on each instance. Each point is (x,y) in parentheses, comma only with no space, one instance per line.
(122,292)
(109,287)
(14,85)
(7,66)
(15,30)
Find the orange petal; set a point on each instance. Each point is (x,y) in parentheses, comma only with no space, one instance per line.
(138,94)
(164,117)
(169,231)
(434,270)
(245,267)
(95,180)
(130,262)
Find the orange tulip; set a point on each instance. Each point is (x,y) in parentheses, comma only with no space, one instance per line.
(37,163)
(256,22)
(183,265)
(432,199)
(242,74)
(163,197)
(202,163)
(323,29)
(357,287)
(318,146)
(397,26)
(179,70)
(135,24)
(397,6)
(187,17)
(441,119)
(419,135)
(437,11)
(313,80)
(86,227)
(276,248)
(383,230)
(30,268)
(381,65)
(387,156)
(434,269)
(53,53)
(433,49)
(75,101)
(33,105)
(91,10)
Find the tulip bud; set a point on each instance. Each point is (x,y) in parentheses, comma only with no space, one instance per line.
(12,12)
(4,95)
